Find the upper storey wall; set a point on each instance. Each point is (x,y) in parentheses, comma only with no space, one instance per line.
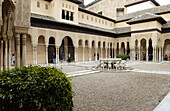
(109,7)
(93,20)
(56,9)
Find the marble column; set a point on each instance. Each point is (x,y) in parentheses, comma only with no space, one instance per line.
(17,60)
(154,56)
(115,52)
(5,50)
(83,53)
(9,54)
(46,54)
(35,54)
(95,53)
(162,51)
(159,54)
(0,54)
(57,55)
(75,54)
(89,53)
(106,52)
(101,52)
(24,50)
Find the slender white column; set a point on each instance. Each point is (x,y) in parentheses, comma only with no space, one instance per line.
(5,54)
(106,52)
(76,54)
(46,54)
(159,54)
(34,54)
(101,52)
(154,51)
(0,54)
(95,53)
(24,50)
(115,52)
(89,53)
(83,53)
(57,55)
(162,50)
(17,50)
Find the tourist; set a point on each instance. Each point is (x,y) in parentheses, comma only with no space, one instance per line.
(69,57)
(13,59)
(63,56)
(54,58)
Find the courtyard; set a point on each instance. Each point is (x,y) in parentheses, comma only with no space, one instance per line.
(121,90)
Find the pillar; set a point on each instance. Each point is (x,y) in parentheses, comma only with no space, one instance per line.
(5,50)
(83,53)
(101,52)
(46,53)
(133,54)
(17,60)
(95,53)
(154,55)
(162,57)
(106,52)
(35,54)
(115,52)
(24,50)
(9,54)
(0,54)
(125,48)
(76,54)
(159,54)
(89,53)
(57,55)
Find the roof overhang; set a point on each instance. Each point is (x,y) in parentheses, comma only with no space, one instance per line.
(159,19)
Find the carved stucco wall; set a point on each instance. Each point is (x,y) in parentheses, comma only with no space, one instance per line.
(22,13)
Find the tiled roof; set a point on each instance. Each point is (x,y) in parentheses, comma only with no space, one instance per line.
(157,10)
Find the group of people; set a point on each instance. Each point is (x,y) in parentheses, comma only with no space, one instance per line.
(63,57)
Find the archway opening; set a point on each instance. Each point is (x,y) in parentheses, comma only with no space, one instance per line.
(104,50)
(167,50)
(93,51)
(136,50)
(66,50)
(111,51)
(143,49)
(150,51)
(99,50)
(128,49)
(51,50)
(117,49)
(122,48)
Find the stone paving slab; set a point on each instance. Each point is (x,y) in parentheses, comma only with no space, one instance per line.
(164,105)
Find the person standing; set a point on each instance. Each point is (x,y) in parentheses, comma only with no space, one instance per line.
(69,57)
(13,59)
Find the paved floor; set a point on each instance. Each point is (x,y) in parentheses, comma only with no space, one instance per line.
(120,91)
(128,91)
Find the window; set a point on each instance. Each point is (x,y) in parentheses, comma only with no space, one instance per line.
(100,12)
(38,4)
(96,20)
(120,12)
(72,7)
(67,15)
(63,14)
(87,17)
(105,22)
(71,16)
(91,18)
(46,6)
(69,6)
(99,20)
(62,4)
(82,16)
(102,21)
